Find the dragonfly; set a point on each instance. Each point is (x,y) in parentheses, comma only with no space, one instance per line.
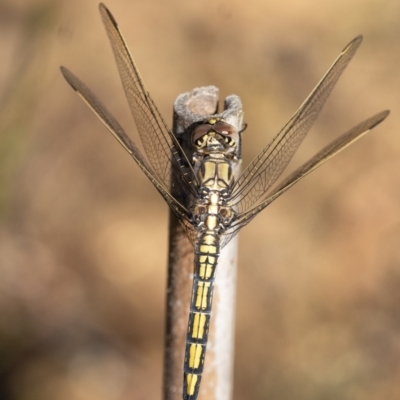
(216,204)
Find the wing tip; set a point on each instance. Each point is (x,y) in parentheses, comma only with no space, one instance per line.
(380,117)
(69,76)
(106,14)
(355,43)
(102,7)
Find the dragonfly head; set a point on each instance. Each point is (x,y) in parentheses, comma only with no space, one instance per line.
(215,135)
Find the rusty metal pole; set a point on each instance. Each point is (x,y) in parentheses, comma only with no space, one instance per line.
(217,378)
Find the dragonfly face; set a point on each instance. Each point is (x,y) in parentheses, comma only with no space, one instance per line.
(200,187)
(216,136)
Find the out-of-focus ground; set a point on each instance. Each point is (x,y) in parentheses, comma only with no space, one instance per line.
(83,234)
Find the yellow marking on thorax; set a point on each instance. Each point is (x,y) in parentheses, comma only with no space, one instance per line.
(209,170)
(223,172)
(216,175)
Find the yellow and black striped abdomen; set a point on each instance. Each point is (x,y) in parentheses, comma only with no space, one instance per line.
(206,257)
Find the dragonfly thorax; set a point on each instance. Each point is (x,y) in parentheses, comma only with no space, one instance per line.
(212,210)
(215,174)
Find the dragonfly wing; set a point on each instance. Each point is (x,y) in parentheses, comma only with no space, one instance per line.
(115,128)
(190,231)
(263,171)
(104,115)
(161,146)
(324,155)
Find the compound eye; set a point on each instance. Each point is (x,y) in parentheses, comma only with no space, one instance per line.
(224,128)
(200,131)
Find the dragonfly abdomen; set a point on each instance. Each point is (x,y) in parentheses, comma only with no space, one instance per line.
(206,258)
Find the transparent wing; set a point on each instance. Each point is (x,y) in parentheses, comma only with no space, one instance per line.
(265,169)
(324,155)
(162,149)
(191,233)
(115,128)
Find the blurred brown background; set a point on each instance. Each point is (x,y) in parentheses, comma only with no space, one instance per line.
(83,234)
